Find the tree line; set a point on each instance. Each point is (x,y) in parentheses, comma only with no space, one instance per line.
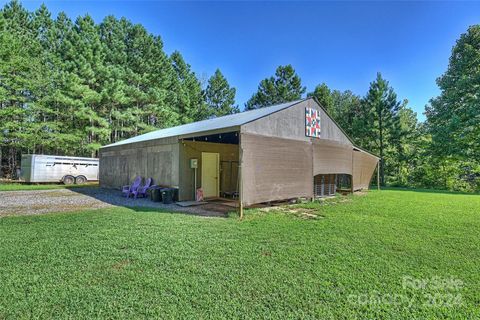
(443,152)
(69,87)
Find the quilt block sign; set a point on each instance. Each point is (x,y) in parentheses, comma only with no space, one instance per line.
(312,123)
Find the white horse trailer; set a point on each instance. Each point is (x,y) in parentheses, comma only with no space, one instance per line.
(69,170)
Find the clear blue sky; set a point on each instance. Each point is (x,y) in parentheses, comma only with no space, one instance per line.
(342,44)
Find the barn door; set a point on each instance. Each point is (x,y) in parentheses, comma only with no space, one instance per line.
(210,174)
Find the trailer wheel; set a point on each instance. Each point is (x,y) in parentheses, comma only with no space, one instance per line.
(80,180)
(68,180)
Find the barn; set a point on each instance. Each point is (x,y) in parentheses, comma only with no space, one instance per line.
(285,151)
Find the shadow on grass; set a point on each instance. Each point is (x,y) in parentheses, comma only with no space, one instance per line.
(114,197)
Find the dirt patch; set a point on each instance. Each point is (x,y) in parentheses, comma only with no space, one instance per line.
(360,193)
(121,264)
(304,213)
(220,208)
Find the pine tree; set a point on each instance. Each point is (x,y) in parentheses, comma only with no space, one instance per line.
(324,96)
(190,101)
(344,107)
(68,88)
(381,112)
(47,135)
(285,86)
(114,35)
(220,96)
(86,65)
(161,78)
(21,75)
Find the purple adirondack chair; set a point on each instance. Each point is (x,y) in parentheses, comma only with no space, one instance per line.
(126,190)
(142,190)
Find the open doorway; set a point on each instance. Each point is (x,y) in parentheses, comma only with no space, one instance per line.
(216,158)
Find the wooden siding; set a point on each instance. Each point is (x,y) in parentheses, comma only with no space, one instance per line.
(121,164)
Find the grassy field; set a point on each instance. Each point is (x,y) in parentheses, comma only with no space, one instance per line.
(21,186)
(388,254)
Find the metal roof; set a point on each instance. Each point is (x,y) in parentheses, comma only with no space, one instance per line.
(232,120)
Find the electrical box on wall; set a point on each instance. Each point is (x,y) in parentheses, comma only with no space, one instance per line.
(194,163)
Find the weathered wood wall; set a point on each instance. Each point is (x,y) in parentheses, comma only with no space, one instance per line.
(157,159)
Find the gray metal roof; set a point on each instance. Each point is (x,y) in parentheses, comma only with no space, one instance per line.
(232,120)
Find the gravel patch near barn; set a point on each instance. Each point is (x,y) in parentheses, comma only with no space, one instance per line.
(34,202)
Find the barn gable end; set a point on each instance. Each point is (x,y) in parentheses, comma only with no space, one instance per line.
(279,160)
(289,123)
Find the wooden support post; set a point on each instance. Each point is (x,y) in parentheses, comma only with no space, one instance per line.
(351,182)
(378,175)
(240,191)
(241,199)
(240,175)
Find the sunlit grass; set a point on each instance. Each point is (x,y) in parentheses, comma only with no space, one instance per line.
(24,186)
(138,263)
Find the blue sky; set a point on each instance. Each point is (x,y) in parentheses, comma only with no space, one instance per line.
(342,44)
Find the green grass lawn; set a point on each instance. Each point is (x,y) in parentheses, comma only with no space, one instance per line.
(21,186)
(347,263)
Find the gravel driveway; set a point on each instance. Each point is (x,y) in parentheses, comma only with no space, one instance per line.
(33,202)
